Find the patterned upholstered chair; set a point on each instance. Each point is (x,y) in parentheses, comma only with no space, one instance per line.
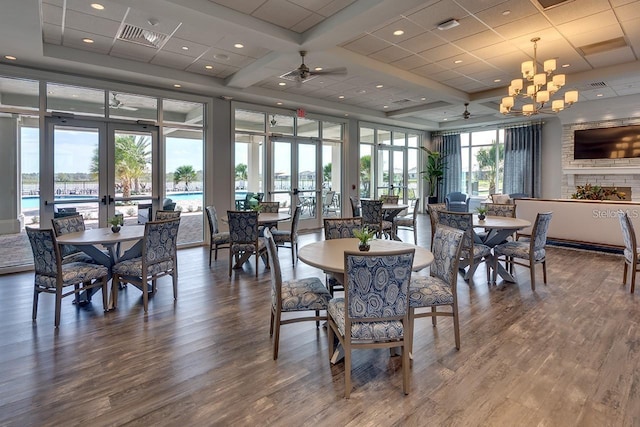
(472,253)
(281,237)
(159,258)
(218,239)
(438,289)
(165,215)
(374,310)
(54,277)
(533,251)
(299,295)
(389,198)
(70,224)
(339,228)
(355,209)
(631,255)
(269,207)
(245,240)
(432,210)
(372,217)
(408,222)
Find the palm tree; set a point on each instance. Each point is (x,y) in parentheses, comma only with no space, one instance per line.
(242,172)
(487,160)
(184,173)
(365,174)
(326,172)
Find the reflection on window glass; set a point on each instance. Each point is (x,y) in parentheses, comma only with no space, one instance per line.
(308,128)
(282,166)
(331,177)
(249,121)
(366,170)
(367,135)
(76,100)
(384,137)
(132,107)
(413,140)
(30,170)
(399,138)
(248,164)
(413,174)
(18,93)
(182,112)
(331,131)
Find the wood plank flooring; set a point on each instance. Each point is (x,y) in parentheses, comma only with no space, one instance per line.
(565,355)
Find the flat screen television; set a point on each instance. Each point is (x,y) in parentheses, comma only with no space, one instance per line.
(607,143)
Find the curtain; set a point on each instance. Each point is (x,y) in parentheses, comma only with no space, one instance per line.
(522,160)
(449,147)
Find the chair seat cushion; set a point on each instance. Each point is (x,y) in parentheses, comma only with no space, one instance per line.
(78,257)
(74,273)
(304,294)
(518,250)
(281,236)
(387,225)
(628,255)
(429,291)
(133,267)
(405,221)
(222,237)
(479,251)
(369,331)
(249,247)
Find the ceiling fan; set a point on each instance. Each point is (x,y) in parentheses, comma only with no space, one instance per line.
(466,113)
(303,73)
(116,104)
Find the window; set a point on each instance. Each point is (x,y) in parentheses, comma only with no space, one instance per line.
(482,162)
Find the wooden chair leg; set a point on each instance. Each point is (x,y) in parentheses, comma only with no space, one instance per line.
(408,337)
(624,274)
(34,311)
(211,250)
(271,323)
(58,306)
(434,319)
(230,261)
(331,339)
(532,271)
(276,338)
(347,370)
(293,255)
(415,235)
(456,327)
(105,294)
(544,271)
(145,295)
(216,254)
(317,319)
(406,379)
(633,278)
(495,269)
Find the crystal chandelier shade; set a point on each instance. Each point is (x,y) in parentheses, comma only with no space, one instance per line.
(535,91)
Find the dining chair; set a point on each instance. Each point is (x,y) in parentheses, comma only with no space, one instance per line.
(355,209)
(389,198)
(53,277)
(374,311)
(70,224)
(218,239)
(292,296)
(439,289)
(631,255)
(432,210)
(408,222)
(269,207)
(472,253)
(165,215)
(244,237)
(372,217)
(339,228)
(501,209)
(328,205)
(532,251)
(158,259)
(281,237)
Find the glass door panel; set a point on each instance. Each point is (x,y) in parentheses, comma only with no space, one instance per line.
(281,177)
(307,180)
(331,178)
(398,186)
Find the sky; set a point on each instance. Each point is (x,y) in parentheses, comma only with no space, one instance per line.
(73,151)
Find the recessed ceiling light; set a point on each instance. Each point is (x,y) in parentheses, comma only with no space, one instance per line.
(506,12)
(89,41)
(346,114)
(361,91)
(238,45)
(566,65)
(97,6)
(341,97)
(398,32)
(458,61)
(446,120)
(385,106)
(318,69)
(278,103)
(50,92)
(185,47)
(10,57)
(423,99)
(282,84)
(599,94)
(497,80)
(379,86)
(75,95)
(209,67)
(177,85)
(221,57)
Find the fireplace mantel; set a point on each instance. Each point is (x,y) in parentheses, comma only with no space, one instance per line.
(608,170)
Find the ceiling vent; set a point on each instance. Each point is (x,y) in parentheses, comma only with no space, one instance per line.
(598,84)
(133,34)
(548,4)
(604,46)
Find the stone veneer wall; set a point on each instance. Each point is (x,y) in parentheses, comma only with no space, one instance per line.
(608,180)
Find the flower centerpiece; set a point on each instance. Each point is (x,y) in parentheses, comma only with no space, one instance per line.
(364,234)
(482,211)
(116,222)
(596,192)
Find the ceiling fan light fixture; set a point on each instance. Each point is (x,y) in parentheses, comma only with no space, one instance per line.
(448,24)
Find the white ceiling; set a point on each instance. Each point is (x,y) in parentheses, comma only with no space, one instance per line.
(426,74)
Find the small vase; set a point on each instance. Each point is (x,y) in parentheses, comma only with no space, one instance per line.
(481,217)
(364,247)
(115,228)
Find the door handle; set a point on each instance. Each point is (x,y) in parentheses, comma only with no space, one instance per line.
(104,200)
(295,192)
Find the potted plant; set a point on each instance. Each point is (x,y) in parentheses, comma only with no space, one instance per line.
(364,234)
(595,192)
(116,221)
(433,173)
(482,211)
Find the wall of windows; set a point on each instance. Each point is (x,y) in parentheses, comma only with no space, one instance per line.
(482,155)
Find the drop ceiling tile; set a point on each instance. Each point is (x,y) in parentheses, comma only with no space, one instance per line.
(577,9)
(593,94)
(617,56)
(628,12)
(203,36)
(410,28)
(175,45)
(366,45)
(468,27)
(422,42)
(244,6)
(51,14)
(616,3)
(134,51)
(494,50)
(480,40)
(334,7)
(428,70)
(281,13)
(58,3)
(596,35)
(225,71)
(199,67)
(141,19)
(52,33)
(172,60)
(410,62)
(517,9)
(475,6)
(314,5)
(441,52)
(308,22)
(91,24)
(250,48)
(390,54)
(464,57)
(73,38)
(578,26)
(430,16)
(112,10)
(471,69)
(523,26)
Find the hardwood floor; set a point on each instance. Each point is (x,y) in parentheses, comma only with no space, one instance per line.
(567,354)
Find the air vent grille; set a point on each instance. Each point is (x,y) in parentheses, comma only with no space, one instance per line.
(133,34)
(548,4)
(598,84)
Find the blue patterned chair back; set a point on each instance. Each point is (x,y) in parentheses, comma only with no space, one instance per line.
(504,210)
(165,215)
(295,220)
(243,226)
(212,217)
(269,207)
(46,255)
(388,198)
(461,221)
(539,232)
(371,211)
(66,225)
(275,270)
(355,210)
(377,285)
(628,235)
(160,238)
(446,248)
(341,228)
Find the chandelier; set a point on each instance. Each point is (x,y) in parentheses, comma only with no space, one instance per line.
(537,96)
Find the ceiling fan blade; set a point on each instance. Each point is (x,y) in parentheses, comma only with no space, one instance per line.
(337,70)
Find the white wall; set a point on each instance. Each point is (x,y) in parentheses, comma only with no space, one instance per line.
(551,158)
(9,222)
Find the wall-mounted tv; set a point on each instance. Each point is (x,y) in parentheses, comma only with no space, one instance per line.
(607,143)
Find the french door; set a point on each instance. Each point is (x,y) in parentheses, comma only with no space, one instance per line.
(98,169)
(390,171)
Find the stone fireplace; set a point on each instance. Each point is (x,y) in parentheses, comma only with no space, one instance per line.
(624,174)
